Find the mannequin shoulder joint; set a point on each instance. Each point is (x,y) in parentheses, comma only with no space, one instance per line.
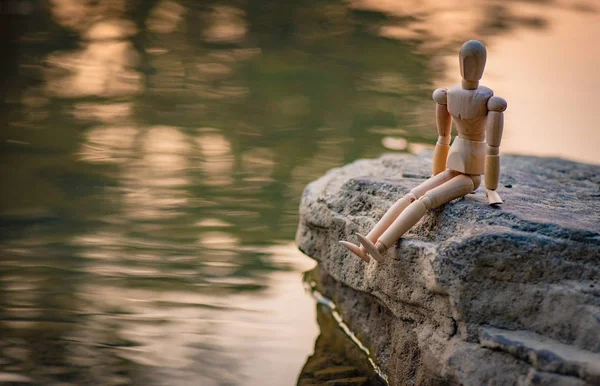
(440,96)
(496,103)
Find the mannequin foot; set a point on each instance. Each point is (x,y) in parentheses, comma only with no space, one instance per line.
(356,250)
(373,250)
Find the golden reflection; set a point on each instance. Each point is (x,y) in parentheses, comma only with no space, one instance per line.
(165,160)
(100,245)
(388,130)
(200,335)
(269,324)
(165,17)
(110,30)
(218,240)
(71,13)
(416,148)
(102,68)
(394,143)
(145,203)
(33,99)
(217,159)
(78,14)
(166,335)
(213,223)
(109,144)
(23,288)
(434,23)
(152,185)
(166,140)
(105,65)
(107,113)
(227,25)
(287,255)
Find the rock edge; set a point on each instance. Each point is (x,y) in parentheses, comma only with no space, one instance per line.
(530,268)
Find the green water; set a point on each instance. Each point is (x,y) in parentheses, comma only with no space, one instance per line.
(153,155)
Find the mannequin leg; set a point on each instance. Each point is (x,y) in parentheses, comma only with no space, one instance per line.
(457,187)
(394,211)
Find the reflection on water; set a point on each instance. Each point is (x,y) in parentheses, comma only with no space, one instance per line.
(339,356)
(153,156)
(336,358)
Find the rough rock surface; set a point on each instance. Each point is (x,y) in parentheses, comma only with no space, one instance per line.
(473,294)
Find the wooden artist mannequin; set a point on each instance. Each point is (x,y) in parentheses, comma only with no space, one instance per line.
(457,169)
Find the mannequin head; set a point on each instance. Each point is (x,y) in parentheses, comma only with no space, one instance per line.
(472,58)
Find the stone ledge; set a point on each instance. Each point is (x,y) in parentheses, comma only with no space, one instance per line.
(543,353)
(531,265)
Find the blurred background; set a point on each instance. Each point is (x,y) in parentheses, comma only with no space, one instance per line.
(153,155)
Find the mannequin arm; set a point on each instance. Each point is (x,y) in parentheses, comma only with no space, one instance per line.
(494,128)
(444,127)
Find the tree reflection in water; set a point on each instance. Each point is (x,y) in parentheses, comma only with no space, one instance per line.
(153,156)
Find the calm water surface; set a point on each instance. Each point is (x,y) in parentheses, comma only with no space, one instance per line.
(153,154)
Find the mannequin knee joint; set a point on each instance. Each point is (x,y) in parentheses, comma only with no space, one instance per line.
(426,201)
(476,181)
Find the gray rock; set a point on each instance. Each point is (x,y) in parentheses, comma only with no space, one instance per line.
(531,265)
(543,353)
(538,378)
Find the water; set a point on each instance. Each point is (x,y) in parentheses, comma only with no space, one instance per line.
(153,154)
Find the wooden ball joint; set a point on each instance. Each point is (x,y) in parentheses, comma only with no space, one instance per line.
(457,168)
